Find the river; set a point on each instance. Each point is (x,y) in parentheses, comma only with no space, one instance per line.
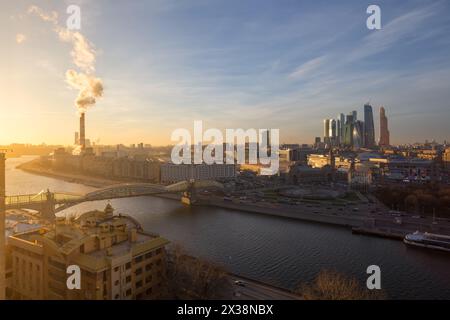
(279,251)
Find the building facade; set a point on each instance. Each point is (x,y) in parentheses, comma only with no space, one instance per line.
(171,173)
(117,259)
(384,131)
(446,159)
(326,130)
(369,128)
(109,165)
(358,135)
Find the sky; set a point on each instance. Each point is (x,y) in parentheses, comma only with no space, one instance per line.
(233,64)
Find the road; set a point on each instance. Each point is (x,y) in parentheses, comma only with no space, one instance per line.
(254,290)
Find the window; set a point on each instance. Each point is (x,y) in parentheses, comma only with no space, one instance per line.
(148,267)
(138,271)
(148,279)
(128,265)
(138,259)
(149,255)
(116,283)
(128,293)
(116,297)
(138,284)
(128,279)
(116,269)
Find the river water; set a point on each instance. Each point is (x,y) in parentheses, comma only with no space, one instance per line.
(279,251)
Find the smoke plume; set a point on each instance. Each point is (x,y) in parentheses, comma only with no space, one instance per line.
(83,56)
(90,88)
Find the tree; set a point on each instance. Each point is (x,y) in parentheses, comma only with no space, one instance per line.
(331,285)
(411,203)
(194,278)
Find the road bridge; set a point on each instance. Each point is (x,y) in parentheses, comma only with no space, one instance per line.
(48,203)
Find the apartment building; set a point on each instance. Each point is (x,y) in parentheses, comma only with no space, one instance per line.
(446,159)
(117,259)
(171,173)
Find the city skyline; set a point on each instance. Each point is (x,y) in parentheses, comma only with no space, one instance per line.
(251,69)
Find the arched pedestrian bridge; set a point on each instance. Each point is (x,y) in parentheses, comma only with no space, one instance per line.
(49,202)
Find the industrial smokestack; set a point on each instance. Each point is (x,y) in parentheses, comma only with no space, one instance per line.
(82,131)
(2,228)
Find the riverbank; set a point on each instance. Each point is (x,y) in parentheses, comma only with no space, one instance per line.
(342,221)
(34,167)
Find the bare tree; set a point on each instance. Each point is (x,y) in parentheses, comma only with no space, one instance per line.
(331,285)
(194,278)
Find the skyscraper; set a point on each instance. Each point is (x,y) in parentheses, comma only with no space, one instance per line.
(333,129)
(354,115)
(338,131)
(348,131)
(369,128)
(333,132)
(384,131)
(326,130)
(358,136)
(342,122)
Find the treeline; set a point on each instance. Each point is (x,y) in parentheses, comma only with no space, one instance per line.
(17,150)
(421,199)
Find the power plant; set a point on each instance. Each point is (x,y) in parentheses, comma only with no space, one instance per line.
(82,131)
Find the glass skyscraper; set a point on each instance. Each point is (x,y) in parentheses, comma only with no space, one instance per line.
(369,128)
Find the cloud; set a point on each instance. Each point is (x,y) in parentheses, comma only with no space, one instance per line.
(49,17)
(306,68)
(393,32)
(20,38)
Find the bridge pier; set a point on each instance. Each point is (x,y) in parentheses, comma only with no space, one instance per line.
(48,207)
(189,196)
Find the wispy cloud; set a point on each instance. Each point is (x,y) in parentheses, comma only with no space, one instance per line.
(308,67)
(397,30)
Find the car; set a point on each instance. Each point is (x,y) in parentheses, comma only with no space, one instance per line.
(239,283)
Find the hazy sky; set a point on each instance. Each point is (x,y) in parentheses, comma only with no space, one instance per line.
(231,63)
